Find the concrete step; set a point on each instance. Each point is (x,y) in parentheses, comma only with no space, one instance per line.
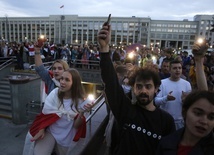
(5,114)
(4,91)
(5,87)
(5,101)
(5,96)
(5,107)
(4,82)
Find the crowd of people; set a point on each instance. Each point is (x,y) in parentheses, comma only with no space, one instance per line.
(168,116)
(160,101)
(77,55)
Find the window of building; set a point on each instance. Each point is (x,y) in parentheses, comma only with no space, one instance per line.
(164,30)
(152,35)
(152,30)
(187,26)
(193,26)
(158,25)
(187,37)
(144,24)
(169,36)
(164,25)
(175,36)
(158,30)
(181,36)
(164,36)
(192,37)
(158,35)
(170,25)
(125,26)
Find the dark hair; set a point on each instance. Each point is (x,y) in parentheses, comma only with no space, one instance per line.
(165,61)
(195,96)
(144,74)
(175,62)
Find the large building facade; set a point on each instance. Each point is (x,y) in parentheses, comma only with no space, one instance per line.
(72,29)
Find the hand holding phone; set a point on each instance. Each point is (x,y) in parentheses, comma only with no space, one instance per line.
(108,20)
(90,99)
(200,47)
(41,41)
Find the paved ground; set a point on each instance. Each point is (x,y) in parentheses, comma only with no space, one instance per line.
(11,137)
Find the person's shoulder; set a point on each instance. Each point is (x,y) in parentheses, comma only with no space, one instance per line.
(55,91)
(165,113)
(165,80)
(184,81)
(172,140)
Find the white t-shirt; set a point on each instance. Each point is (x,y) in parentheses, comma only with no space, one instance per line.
(173,107)
(62,129)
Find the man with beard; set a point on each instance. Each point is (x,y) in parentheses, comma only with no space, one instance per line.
(141,124)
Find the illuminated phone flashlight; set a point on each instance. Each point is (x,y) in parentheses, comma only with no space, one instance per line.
(88,100)
(91,97)
(42,36)
(137,48)
(153,58)
(200,40)
(131,55)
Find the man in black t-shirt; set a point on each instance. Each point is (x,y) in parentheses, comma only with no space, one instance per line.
(141,125)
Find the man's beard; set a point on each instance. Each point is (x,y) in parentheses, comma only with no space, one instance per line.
(145,101)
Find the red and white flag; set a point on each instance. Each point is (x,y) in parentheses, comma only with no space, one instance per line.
(62,6)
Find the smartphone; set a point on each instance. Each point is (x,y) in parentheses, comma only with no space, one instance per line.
(108,20)
(89,100)
(200,40)
(41,40)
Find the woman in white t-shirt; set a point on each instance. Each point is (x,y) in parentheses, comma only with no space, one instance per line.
(62,121)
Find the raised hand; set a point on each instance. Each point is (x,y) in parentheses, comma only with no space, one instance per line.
(104,37)
(170,97)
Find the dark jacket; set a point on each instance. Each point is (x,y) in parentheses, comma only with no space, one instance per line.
(169,145)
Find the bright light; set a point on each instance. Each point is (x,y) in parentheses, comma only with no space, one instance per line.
(91,97)
(42,36)
(200,40)
(153,58)
(131,55)
(137,48)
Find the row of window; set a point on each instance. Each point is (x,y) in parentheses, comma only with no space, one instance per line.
(172,36)
(174,30)
(174,25)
